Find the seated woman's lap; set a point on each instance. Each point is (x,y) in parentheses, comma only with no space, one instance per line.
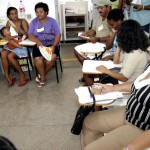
(36,52)
(115,139)
(101,122)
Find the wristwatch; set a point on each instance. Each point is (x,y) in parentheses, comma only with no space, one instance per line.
(127,148)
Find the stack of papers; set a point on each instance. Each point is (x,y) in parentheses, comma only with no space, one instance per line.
(85,98)
(46,52)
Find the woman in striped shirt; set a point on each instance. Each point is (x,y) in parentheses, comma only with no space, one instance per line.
(123,124)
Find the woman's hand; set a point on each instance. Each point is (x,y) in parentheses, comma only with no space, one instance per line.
(105,88)
(102,69)
(38,43)
(52,48)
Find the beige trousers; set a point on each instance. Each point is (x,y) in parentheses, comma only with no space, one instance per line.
(119,132)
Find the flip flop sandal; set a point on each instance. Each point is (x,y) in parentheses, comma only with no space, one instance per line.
(23,82)
(41,84)
(10,84)
(13,79)
(38,78)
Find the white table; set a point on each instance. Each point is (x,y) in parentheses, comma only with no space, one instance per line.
(27,42)
(89,66)
(91,49)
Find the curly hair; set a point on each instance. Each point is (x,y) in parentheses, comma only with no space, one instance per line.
(42,5)
(116,15)
(2,31)
(131,36)
(6,144)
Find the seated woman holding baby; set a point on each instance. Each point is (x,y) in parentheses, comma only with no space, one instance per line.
(13,50)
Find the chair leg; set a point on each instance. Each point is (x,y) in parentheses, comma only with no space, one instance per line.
(30,59)
(60,64)
(56,71)
(28,68)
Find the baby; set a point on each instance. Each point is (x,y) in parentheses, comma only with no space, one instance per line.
(13,43)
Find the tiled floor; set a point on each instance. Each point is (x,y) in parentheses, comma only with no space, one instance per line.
(40,118)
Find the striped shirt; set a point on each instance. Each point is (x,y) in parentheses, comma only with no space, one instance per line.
(138,107)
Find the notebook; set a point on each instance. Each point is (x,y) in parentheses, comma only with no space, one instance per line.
(100,99)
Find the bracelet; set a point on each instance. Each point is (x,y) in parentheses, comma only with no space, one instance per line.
(127,148)
(142,7)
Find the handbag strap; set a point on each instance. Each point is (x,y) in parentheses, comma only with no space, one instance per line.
(92,95)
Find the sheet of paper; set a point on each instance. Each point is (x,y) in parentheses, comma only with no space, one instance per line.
(84,37)
(85,98)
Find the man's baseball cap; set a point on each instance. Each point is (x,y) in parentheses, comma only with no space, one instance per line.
(104,2)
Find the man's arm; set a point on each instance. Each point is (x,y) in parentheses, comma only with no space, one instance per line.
(120,4)
(98,39)
(141,7)
(141,142)
(89,33)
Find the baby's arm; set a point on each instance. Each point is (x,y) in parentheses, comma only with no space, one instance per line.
(13,42)
(9,37)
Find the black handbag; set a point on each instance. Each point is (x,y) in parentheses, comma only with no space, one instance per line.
(82,112)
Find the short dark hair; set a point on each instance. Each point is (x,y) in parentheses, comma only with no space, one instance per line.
(6,144)
(42,5)
(116,15)
(10,9)
(131,36)
(2,31)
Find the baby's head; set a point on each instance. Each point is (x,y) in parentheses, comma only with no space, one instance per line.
(5,31)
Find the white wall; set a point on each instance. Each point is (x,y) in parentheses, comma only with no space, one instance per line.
(29,6)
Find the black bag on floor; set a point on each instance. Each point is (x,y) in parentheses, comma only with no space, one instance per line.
(82,112)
